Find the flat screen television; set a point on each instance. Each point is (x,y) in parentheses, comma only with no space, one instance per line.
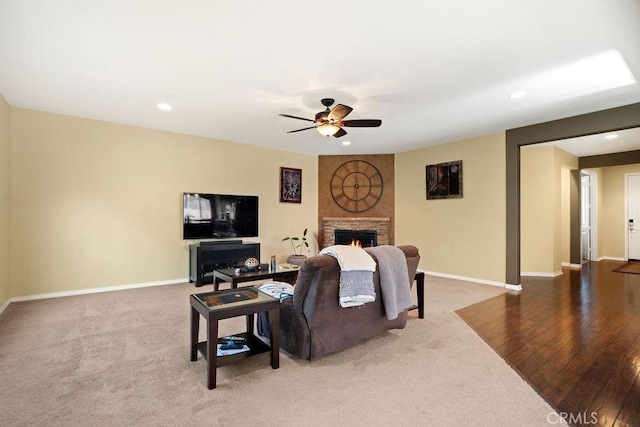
(219,216)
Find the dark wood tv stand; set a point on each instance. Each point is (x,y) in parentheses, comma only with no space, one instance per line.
(204,257)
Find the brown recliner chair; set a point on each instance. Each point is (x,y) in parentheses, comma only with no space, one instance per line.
(312,323)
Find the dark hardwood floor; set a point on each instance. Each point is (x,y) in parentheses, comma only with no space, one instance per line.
(574,338)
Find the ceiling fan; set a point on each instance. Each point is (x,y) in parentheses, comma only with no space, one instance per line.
(329,122)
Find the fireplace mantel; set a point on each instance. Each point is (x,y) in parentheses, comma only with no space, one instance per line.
(380,225)
(350,218)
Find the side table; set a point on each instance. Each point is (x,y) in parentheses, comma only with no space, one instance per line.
(214,306)
(419,278)
(288,275)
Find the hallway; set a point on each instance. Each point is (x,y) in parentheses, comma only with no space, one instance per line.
(575,339)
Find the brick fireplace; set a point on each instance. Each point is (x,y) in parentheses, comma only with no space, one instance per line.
(362,238)
(380,225)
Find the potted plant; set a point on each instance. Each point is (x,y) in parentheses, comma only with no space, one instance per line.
(297,243)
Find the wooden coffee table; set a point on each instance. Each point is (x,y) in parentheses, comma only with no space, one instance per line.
(288,275)
(214,306)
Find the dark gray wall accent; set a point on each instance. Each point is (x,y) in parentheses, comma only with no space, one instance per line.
(614,159)
(618,118)
(613,119)
(513,213)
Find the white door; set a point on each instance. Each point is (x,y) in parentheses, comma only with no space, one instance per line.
(633,215)
(586,216)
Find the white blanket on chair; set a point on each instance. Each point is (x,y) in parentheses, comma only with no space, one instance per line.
(356,274)
(350,257)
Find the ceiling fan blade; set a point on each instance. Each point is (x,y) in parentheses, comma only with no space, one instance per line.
(296,117)
(339,112)
(371,123)
(340,133)
(298,130)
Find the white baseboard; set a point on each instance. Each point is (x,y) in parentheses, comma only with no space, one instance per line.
(466,279)
(612,258)
(5,305)
(569,265)
(540,274)
(93,290)
(513,287)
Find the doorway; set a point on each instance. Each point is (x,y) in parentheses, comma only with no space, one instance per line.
(614,119)
(632,204)
(588,212)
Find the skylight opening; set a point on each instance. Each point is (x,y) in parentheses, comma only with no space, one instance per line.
(596,73)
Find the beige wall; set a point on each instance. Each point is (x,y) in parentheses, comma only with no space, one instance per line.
(461,237)
(612,226)
(5,187)
(544,208)
(563,163)
(536,202)
(100,204)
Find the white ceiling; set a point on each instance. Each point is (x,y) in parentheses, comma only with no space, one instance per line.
(593,145)
(434,72)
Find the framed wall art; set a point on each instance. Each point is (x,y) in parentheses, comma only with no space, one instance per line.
(444,180)
(290,185)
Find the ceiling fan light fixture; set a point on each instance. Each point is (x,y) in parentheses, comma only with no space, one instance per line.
(330,121)
(322,116)
(327,129)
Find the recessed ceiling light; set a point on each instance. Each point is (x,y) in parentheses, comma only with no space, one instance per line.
(164,106)
(518,94)
(611,136)
(346,143)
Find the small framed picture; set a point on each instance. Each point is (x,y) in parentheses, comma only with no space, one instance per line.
(444,180)
(290,185)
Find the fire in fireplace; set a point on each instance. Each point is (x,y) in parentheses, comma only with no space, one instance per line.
(362,238)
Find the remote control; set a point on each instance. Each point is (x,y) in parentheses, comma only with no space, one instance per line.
(233,338)
(231,345)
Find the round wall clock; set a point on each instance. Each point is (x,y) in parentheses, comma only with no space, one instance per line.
(356,186)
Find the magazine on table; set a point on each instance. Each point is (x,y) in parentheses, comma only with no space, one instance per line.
(280,290)
(230,351)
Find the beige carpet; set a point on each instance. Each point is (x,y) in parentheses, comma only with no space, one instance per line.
(122,358)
